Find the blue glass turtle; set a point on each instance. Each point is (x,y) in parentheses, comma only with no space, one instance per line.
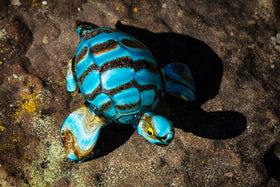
(121,83)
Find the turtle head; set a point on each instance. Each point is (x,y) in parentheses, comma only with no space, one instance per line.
(156,129)
(83,27)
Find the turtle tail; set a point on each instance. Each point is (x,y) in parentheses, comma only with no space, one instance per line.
(179,81)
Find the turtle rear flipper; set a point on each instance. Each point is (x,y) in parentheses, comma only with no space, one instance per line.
(70,79)
(179,81)
(79,133)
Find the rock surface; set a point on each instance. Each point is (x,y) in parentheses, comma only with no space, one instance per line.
(229,137)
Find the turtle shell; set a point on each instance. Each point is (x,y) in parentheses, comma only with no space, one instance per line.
(117,75)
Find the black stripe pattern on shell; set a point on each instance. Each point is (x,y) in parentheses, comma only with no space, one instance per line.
(108,97)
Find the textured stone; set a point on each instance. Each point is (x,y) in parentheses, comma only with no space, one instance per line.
(11,38)
(228,137)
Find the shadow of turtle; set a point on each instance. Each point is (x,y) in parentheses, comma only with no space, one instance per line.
(207,71)
(191,118)
(110,138)
(272,162)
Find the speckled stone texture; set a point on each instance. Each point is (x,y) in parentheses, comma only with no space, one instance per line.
(229,137)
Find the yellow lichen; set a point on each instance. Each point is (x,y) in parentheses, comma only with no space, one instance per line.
(2,128)
(26,158)
(15,138)
(61,79)
(4,146)
(29,84)
(12,140)
(28,105)
(76,93)
(34,3)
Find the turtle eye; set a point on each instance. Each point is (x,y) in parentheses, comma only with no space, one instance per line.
(150,131)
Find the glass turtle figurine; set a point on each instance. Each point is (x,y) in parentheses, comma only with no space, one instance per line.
(121,83)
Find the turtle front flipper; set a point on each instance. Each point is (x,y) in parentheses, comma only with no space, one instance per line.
(79,133)
(179,81)
(70,79)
